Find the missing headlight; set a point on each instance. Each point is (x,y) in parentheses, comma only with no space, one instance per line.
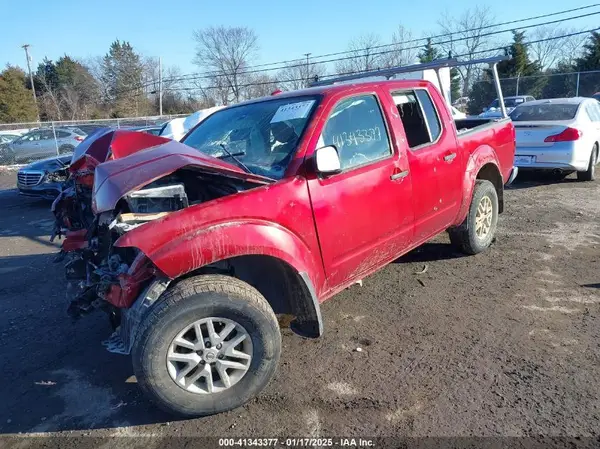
(158,199)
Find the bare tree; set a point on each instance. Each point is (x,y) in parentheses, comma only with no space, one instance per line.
(546,49)
(572,46)
(227,52)
(298,74)
(402,51)
(260,85)
(467,38)
(363,55)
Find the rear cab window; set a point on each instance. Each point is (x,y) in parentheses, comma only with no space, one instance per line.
(419,116)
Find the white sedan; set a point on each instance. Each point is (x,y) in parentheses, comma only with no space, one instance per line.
(561,134)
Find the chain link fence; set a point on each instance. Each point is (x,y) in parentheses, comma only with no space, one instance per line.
(559,85)
(22,143)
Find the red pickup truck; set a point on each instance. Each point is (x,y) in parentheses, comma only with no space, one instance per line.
(270,207)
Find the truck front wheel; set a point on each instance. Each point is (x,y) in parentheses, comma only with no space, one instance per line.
(476,233)
(209,346)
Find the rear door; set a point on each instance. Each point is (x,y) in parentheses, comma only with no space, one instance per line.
(436,165)
(363,215)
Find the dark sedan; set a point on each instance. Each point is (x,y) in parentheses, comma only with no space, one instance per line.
(43,178)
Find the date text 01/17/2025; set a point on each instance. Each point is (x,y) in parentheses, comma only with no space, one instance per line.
(296,442)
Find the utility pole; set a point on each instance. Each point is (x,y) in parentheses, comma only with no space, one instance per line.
(307,67)
(26,46)
(160,88)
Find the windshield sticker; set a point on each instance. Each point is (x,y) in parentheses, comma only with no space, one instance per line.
(292,111)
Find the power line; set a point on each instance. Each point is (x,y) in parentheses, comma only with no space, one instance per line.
(489,50)
(208,75)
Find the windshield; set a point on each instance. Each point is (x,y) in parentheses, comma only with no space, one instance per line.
(261,136)
(543,112)
(508,102)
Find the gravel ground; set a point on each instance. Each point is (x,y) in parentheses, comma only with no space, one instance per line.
(502,344)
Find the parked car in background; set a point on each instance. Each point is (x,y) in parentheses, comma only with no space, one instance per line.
(494,111)
(178,127)
(154,130)
(7,138)
(45,142)
(461,103)
(44,178)
(561,134)
(456,114)
(5,155)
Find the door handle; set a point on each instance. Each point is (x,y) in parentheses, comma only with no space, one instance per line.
(400,175)
(449,157)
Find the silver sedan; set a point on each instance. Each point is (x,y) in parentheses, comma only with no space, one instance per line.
(560,134)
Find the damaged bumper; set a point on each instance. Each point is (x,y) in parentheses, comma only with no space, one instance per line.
(121,341)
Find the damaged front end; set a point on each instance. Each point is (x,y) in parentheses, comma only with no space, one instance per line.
(125,194)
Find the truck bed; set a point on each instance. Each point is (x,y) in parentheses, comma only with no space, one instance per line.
(467,124)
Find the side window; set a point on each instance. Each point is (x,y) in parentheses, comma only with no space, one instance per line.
(357,129)
(46,135)
(593,111)
(62,134)
(419,117)
(435,129)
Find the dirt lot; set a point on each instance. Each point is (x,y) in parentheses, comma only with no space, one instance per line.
(500,344)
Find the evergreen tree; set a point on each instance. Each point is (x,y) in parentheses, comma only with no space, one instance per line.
(122,70)
(455,84)
(590,60)
(16,100)
(520,66)
(429,53)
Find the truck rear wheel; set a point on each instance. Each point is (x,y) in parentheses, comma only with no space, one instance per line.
(209,346)
(476,233)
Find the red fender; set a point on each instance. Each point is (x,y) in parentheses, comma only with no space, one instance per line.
(482,156)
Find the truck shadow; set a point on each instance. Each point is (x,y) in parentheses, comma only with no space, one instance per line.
(430,252)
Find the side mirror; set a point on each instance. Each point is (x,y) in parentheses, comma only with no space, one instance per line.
(327,160)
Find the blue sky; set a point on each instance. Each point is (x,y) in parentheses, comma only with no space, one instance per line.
(286,29)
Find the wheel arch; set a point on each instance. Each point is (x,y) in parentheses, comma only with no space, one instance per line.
(267,256)
(289,292)
(482,164)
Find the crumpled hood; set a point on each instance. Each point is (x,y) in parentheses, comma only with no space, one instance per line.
(104,143)
(118,177)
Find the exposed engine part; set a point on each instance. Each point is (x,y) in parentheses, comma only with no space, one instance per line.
(158,199)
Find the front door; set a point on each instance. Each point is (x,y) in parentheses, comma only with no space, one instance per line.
(364,214)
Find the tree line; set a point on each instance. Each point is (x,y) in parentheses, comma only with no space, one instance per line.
(125,83)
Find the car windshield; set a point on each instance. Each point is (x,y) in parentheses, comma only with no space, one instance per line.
(508,102)
(544,112)
(261,137)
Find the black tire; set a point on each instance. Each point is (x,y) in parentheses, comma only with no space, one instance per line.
(590,173)
(64,149)
(464,237)
(190,300)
